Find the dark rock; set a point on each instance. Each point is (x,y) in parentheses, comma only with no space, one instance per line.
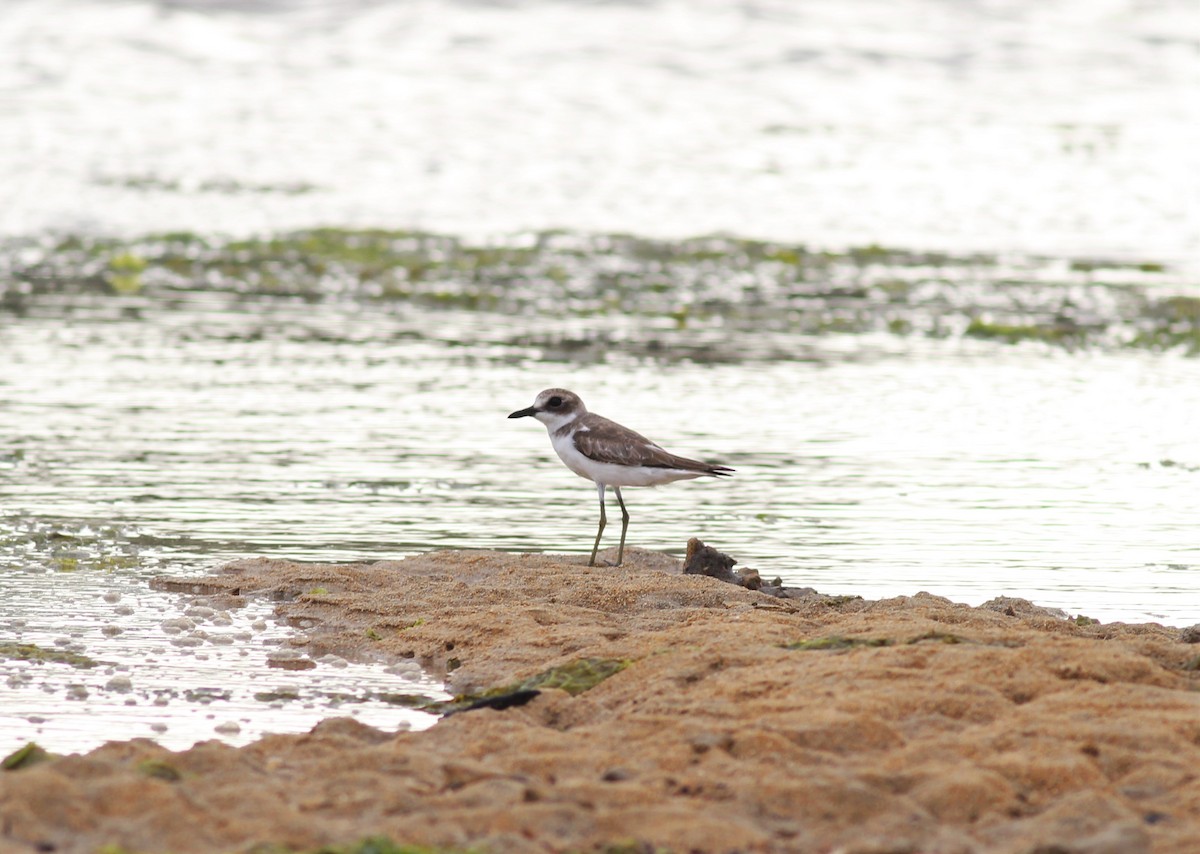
(797,592)
(705,560)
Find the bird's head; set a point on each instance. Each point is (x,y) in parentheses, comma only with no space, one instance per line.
(554,407)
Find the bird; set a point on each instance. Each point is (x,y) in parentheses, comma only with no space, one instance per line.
(608,454)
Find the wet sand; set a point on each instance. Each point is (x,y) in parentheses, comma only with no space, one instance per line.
(732,721)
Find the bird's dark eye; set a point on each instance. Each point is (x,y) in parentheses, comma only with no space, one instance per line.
(554,402)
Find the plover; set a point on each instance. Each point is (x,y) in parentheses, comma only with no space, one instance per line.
(608,454)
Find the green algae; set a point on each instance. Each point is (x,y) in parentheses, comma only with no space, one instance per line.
(1014,333)
(1186,341)
(160,770)
(41,655)
(837,642)
(737,292)
(1178,309)
(125,272)
(24,757)
(575,677)
(384,845)
(578,676)
(65,564)
(1091,265)
(633,846)
(938,636)
(97,563)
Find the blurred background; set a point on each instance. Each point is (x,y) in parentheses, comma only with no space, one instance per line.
(925,272)
(1069,126)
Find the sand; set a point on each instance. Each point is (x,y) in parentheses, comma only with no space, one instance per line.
(740,722)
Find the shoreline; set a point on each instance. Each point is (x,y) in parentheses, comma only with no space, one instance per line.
(704,716)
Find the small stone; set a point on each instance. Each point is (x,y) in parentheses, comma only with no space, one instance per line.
(289,660)
(750,579)
(705,560)
(122,684)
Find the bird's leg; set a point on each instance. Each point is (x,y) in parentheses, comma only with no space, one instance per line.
(600,530)
(624,525)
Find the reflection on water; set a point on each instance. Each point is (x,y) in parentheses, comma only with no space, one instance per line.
(995,126)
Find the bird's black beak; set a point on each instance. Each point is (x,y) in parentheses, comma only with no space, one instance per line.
(521,413)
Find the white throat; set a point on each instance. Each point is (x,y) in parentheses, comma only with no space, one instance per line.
(555,420)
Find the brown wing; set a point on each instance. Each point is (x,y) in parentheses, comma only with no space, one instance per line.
(608,442)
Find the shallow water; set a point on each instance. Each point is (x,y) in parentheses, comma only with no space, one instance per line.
(169,667)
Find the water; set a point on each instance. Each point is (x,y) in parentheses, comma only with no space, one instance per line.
(167,667)
(886,441)
(335,433)
(1002,125)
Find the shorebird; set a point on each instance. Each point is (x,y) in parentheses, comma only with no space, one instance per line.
(608,454)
